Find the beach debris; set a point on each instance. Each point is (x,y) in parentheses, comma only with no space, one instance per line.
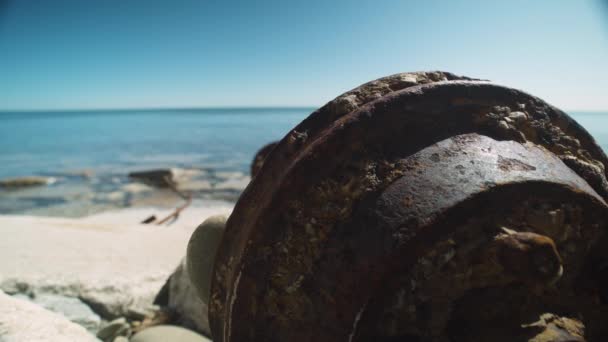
(25,182)
(260,156)
(168,182)
(174,216)
(149,219)
(373,219)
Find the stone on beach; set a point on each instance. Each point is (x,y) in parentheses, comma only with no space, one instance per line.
(201,251)
(164,333)
(21,320)
(181,299)
(186,292)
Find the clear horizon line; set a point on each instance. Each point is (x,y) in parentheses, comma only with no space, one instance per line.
(116,109)
(128,109)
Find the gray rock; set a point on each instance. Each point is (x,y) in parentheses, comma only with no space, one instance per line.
(24,182)
(180,297)
(21,320)
(113,329)
(166,333)
(186,292)
(71,308)
(121,339)
(201,251)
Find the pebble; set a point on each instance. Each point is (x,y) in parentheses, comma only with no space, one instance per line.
(165,333)
(201,251)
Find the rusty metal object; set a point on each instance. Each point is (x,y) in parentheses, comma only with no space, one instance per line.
(260,156)
(382,217)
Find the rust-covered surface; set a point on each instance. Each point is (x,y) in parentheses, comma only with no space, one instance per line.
(429,179)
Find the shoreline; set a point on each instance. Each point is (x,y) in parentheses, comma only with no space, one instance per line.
(85,193)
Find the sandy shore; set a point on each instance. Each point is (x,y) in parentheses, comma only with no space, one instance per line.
(109,260)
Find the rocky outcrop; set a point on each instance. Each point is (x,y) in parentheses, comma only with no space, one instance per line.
(162,178)
(25,182)
(165,178)
(21,320)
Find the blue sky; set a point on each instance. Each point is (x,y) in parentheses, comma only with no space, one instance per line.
(80,54)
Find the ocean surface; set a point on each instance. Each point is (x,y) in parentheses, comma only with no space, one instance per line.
(89,154)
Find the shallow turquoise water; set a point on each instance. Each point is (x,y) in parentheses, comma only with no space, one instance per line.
(219,142)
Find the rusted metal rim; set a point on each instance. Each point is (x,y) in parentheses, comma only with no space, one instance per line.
(296,141)
(392,127)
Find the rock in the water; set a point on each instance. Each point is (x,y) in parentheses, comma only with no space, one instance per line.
(21,320)
(165,333)
(201,251)
(71,308)
(118,327)
(161,178)
(24,182)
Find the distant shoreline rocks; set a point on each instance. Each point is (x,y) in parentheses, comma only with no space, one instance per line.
(26,182)
(160,178)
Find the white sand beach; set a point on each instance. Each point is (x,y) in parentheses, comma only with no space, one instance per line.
(109,261)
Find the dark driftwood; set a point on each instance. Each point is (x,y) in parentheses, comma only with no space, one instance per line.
(174,216)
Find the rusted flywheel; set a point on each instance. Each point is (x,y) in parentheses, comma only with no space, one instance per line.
(420,207)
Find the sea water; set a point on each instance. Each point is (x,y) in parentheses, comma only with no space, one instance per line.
(89,154)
